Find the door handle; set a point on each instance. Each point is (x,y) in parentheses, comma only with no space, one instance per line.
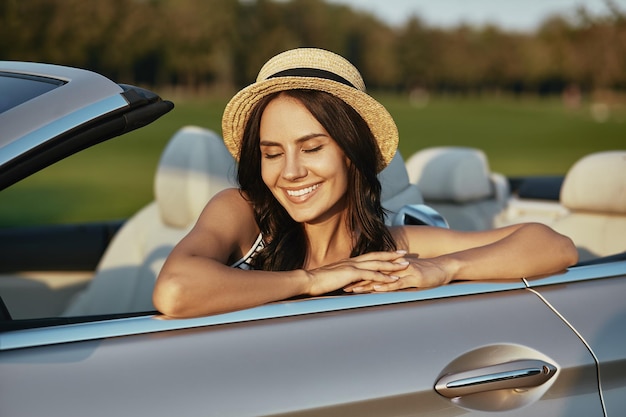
(524,373)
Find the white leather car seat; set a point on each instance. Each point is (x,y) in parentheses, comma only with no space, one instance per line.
(194,166)
(396,189)
(457,182)
(594,192)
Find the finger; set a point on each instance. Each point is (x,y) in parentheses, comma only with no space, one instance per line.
(396,283)
(385,287)
(362,287)
(382,266)
(349,287)
(365,278)
(366,285)
(380,256)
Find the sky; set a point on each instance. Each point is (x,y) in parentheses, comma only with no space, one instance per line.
(518,15)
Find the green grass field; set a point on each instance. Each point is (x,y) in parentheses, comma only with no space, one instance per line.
(114,179)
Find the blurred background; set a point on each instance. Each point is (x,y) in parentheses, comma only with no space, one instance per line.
(535,84)
(443,47)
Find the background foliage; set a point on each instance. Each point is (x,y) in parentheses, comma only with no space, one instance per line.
(221,44)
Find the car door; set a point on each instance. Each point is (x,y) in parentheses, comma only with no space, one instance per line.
(596,309)
(462,349)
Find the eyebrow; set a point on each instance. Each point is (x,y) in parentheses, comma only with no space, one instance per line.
(299,140)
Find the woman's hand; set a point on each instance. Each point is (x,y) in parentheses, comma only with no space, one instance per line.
(377,268)
(417,273)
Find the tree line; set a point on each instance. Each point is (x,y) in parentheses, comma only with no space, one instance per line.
(221,44)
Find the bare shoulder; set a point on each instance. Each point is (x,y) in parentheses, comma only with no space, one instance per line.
(225,228)
(231,197)
(228,207)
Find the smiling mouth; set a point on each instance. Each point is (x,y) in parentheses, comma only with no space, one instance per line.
(303,191)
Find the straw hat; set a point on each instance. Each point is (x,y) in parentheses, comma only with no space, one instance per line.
(313,69)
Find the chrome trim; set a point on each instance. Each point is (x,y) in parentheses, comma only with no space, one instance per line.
(149,324)
(524,373)
(422,214)
(59,126)
(580,273)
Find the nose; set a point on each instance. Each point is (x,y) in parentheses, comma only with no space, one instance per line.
(293,169)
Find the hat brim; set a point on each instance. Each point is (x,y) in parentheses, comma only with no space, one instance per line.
(375,114)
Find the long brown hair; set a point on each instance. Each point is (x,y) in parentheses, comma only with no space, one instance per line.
(286,243)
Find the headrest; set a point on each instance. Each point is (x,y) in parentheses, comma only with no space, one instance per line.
(597,183)
(394,178)
(451,173)
(194,166)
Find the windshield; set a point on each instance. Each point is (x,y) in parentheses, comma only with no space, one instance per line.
(18,88)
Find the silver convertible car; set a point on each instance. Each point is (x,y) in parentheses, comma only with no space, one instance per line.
(79,335)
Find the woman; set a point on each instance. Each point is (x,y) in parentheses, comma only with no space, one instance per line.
(308,220)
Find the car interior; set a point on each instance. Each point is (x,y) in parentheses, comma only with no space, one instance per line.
(595,204)
(454,181)
(194,166)
(457,182)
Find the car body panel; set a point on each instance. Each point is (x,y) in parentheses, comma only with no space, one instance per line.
(53,129)
(597,310)
(379,360)
(92,95)
(84,109)
(150,323)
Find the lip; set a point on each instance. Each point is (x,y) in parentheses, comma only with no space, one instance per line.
(301,194)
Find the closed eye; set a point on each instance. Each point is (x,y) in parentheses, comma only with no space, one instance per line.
(316,149)
(271,155)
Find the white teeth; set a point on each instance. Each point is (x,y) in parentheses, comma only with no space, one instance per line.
(298,193)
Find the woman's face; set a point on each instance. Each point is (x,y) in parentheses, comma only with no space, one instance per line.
(301,164)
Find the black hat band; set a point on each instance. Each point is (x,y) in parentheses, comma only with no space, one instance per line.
(312,72)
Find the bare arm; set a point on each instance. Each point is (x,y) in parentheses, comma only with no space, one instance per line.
(196,279)
(438,256)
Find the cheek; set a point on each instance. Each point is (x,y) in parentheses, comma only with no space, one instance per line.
(343,171)
(345,178)
(268,173)
(336,170)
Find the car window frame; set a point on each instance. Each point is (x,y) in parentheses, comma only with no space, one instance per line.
(64,330)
